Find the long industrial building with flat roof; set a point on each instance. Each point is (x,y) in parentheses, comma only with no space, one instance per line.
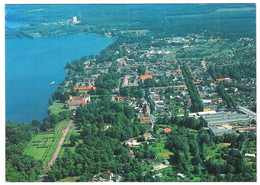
(229,121)
(221,118)
(220,131)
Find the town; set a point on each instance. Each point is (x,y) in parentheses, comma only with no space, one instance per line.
(172,98)
(163,87)
(160,84)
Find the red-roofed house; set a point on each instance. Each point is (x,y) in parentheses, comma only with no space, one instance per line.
(146,77)
(120,98)
(144,120)
(183,86)
(77,101)
(166,130)
(147,135)
(221,79)
(95,76)
(107,175)
(84,89)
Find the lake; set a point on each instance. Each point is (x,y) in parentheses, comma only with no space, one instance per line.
(14,25)
(32,64)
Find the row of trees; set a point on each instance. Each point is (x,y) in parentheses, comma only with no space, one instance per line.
(197,104)
(228,99)
(188,122)
(51,120)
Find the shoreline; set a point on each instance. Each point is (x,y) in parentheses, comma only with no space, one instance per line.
(62,67)
(8,36)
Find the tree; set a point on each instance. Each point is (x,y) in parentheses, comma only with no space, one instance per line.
(129,112)
(196,160)
(204,138)
(86,177)
(139,94)
(149,83)
(140,139)
(177,142)
(45,126)
(50,102)
(124,91)
(141,69)
(73,140)
(36,123)
(131,177)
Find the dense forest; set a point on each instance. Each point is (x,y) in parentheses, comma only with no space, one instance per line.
(100,150)
(19,167)
(178,19)
(237,71)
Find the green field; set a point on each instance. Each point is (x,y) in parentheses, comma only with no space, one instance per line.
(214,151)
(43,145)
(69,179)
(57,107)
(161,151)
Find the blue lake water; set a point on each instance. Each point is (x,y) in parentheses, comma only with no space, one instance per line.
(32,64)
(14,25)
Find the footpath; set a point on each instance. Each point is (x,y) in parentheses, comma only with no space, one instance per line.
(57,151)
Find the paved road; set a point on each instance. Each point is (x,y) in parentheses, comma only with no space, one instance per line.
(153,121)
(57,151)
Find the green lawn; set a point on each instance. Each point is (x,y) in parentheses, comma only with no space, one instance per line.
(42,137)
(69,179)
(61,125)
(193,131)
(213,151)
(57,107)
(165,154)
(161,151)
(43,145)
(147,126)
(35,152)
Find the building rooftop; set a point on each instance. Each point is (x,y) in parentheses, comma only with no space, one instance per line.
(225,117)
(218,131)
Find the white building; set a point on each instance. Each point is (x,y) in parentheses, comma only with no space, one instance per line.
(75,20)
